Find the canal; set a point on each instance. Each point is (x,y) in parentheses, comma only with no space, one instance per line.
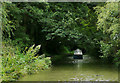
(79,71)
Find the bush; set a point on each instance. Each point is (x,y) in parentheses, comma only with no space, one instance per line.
(16,64)
(117,58)
(110,52)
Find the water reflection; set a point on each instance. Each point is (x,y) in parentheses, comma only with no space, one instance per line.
(76,72)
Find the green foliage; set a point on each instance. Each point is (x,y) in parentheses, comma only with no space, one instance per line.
(66,21)
(108,22)
(106,50)
(108,19)
(54,25)
(117,58)
(7,25)
(17,64)
(59,28)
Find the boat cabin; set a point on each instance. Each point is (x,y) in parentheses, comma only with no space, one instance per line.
(78,54)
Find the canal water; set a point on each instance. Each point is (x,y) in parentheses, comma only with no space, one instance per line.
(79,71)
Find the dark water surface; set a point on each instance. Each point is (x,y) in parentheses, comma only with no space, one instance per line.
(76,72)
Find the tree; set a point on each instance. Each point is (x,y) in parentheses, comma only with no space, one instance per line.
(55,26)
(108,22)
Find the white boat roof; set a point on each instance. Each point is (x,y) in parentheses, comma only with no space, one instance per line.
(78,51)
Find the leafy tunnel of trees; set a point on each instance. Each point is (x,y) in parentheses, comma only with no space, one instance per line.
(63,27)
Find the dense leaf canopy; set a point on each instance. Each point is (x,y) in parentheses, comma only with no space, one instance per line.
(92,27)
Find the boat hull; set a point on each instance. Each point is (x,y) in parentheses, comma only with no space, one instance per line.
(77,57)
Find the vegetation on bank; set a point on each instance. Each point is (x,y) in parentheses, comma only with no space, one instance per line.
(16,64)
(108,22)
(59,28)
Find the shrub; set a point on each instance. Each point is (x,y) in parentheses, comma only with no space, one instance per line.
(16,64)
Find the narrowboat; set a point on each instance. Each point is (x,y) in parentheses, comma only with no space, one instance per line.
(78,54)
